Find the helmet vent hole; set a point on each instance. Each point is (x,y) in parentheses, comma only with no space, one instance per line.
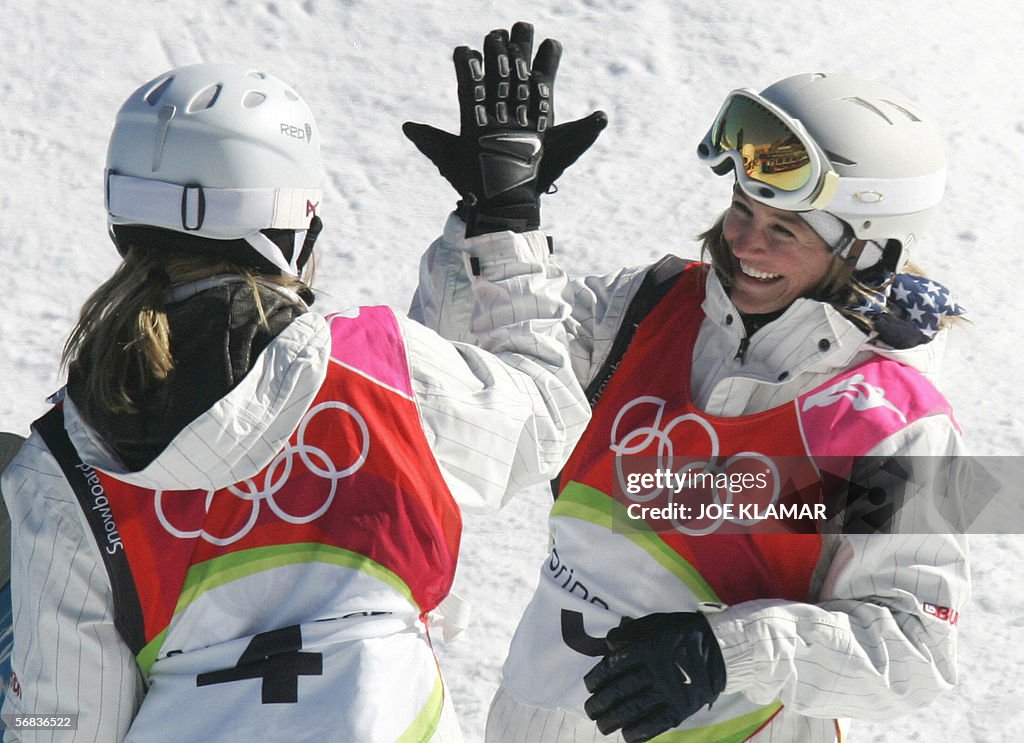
(205,99)
(290,95)
(253,99)
(839,159)
(866,225)
(155,93)
(766,193)
(256,74)
(906,112)
(869,106)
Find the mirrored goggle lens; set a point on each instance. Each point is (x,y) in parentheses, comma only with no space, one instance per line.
(771,152)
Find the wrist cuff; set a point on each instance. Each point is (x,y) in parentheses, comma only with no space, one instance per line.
(514,218)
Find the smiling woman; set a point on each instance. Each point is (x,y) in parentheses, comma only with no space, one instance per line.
(726,634)
(775,256)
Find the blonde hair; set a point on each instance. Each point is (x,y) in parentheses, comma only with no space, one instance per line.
(121,342)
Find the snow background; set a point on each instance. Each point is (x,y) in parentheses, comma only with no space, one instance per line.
(660,70)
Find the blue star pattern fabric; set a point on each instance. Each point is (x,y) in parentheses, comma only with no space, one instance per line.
(916,306)
(922,301)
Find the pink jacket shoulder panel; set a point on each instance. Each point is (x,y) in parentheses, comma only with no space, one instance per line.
(367,340)
(852,413)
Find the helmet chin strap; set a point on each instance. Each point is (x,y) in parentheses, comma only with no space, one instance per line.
(869,253)
(304,252)
(269,250)
(302,247)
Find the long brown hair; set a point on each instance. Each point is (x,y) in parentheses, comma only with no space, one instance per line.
(121,341)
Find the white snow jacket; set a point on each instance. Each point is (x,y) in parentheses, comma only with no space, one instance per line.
(496,418)
(879,638)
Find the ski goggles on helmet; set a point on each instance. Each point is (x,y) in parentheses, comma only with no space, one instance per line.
(776,161)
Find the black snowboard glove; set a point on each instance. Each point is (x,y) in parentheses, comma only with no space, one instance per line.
(508,151)
(659,670)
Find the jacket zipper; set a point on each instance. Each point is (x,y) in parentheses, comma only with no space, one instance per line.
(741,353)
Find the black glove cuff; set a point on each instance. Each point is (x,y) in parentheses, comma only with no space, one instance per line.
(481,220)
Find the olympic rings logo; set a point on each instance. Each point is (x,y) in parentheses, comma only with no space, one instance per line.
(276,476)
(641,439)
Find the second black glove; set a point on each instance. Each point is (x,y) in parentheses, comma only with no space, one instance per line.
(660,669)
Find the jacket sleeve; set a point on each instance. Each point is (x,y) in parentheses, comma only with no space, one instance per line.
(881,638)
(60,592)
(443,300)
(501,406)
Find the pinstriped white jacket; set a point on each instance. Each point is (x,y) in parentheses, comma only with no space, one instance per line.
(871,645)
(496,420)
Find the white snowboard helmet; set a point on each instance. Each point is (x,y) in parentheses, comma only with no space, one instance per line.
(854,148)
(218,153)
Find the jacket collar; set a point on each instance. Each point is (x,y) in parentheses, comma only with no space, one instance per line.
(810,336)
(240,434)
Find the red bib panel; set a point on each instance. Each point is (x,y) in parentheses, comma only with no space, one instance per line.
(647,411)
(357,475)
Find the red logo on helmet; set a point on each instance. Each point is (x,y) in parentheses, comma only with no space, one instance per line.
(311,207)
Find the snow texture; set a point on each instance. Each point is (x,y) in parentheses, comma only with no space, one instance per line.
(660,70)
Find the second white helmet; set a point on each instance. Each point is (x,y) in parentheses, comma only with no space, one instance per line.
(880,143)
(840,144)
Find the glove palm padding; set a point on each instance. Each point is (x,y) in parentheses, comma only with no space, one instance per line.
(507,152)
(660,670)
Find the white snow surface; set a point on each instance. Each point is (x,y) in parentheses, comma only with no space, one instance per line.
(660,70)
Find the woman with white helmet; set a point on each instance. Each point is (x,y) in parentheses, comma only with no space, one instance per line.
(757,537)
(239,517)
